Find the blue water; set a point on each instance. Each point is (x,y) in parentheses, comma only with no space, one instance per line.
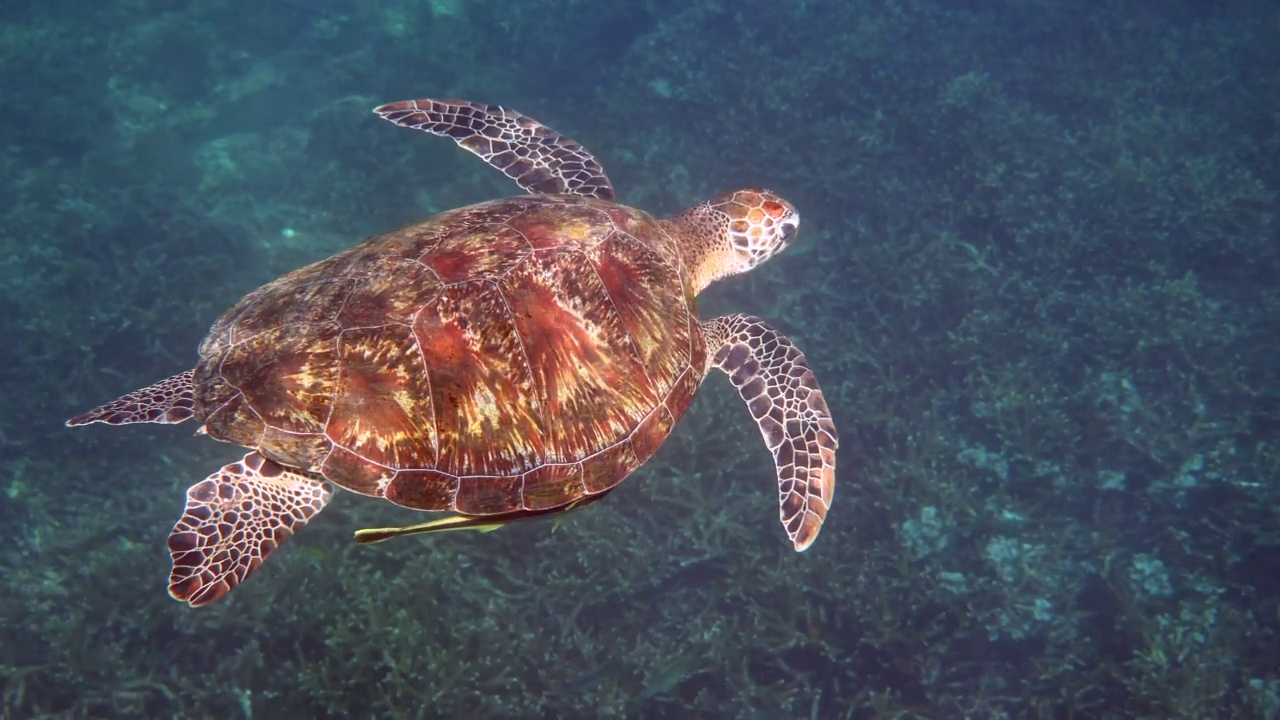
(1035,275)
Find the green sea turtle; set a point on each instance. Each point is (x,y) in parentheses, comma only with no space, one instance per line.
(506,360)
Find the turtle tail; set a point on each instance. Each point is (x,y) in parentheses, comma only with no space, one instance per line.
(169,401)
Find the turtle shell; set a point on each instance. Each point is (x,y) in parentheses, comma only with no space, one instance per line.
(513,355)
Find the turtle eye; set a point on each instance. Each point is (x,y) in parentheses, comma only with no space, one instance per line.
(787,233)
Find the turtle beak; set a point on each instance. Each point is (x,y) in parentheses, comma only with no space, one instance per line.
(787,233)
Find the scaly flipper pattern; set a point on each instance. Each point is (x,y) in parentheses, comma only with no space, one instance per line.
(782,393)
(169,401)
(539,159)
(234,519)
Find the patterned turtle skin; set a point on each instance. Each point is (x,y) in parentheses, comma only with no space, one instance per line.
(502,361)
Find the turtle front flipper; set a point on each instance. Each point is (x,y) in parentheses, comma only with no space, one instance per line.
(169,401)
(783,395)
(539,159)
(233,520)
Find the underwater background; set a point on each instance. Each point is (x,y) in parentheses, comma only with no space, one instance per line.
(1037,277)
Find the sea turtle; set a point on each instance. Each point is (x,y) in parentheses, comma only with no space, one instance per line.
(510,359)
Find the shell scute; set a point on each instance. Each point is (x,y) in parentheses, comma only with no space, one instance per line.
(293,448)
(607,469)
(552,225)
(486,412)
(354,472)
(394,296)
(423,489)
(651,432)
(382,407)
(489,495)
(317,302)
(479,252)
(548,486)
(643,290)
(279,378)
(233,419)
(283,374)
(590,383)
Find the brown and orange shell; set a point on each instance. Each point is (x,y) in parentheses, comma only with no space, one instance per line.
(513,355)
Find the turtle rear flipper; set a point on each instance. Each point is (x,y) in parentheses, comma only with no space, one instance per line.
(774,379)
(233,520)
(169,401)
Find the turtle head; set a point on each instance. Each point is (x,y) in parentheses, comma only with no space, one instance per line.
(735,232)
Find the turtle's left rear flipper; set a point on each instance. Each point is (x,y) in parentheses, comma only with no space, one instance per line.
(234,519)
(169,401)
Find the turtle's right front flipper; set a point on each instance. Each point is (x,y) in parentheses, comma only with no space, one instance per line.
(169,401)
(775,381)
(233,520)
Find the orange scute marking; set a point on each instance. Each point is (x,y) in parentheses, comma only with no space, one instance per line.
(775,209)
